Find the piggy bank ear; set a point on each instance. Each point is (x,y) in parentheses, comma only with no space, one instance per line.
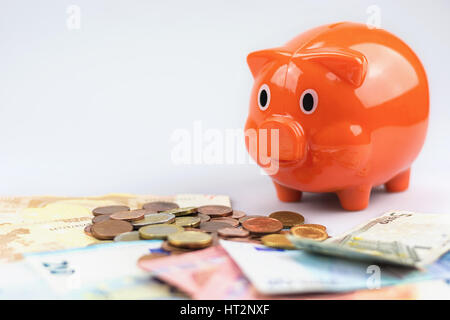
(347,64)
(258,59)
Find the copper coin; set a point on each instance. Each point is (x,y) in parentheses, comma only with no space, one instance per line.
(215,239)
(233,232)
(232,222)
(109,210)
(159,206)
(107,230)
(262,225)
(100,218)
(238,214)
(152,256)
(241,220)
(132,215)
(213,226)
(173,250)
(215,211)
(203,217)
(87,230)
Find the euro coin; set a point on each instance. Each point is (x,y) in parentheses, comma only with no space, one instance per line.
(107,230)
(151,256)
(213,226)
(319,226)
(309,232)
(128,236)
(237,214)
(190,239)
(233,232)
(188,221)
(132,215)
(279,241)
(203,217)
(288,218)
(154,218)
(166,246)
(100,218)
(193,229)
(87,230)
(181,211)
(262,225)
(159,206)
(241,220)
(159,231)
(215,210)
(230,221)
(109,210)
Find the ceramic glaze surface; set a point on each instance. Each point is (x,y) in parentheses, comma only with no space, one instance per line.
(351,107)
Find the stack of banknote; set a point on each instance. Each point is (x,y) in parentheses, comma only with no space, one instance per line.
(46,255)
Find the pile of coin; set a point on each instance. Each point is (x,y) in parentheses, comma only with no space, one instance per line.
(191,228)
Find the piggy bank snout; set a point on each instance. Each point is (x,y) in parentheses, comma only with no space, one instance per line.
(289,144)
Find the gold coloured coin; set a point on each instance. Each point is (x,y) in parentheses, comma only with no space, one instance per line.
(159,231)
(309,232)
(188,221)
(154,218)
(277,241)
(181,211)
(190,239)
(318,226)
(128,236)
(288,218)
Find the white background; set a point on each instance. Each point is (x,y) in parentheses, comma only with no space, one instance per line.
(91,111)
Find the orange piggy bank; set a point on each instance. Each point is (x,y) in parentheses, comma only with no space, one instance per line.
(349,106)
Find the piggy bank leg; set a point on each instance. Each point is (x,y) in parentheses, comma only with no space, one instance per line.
(399,183)
(286,194)
(355,198)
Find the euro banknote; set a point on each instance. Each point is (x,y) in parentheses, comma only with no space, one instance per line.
(189,271)
(397,237)
(106,271)
(47,223)
(229,283)
(277,271)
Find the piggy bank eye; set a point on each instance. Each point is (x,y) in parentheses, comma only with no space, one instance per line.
(264,97)
(308,101)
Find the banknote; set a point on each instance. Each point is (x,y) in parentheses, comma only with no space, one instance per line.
(107,271)
(11,207)
(20,281)
(35,224)
(229,283)
(276,271)
(188,272)
(397,237)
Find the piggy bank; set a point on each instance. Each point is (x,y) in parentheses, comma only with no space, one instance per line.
(342,108)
